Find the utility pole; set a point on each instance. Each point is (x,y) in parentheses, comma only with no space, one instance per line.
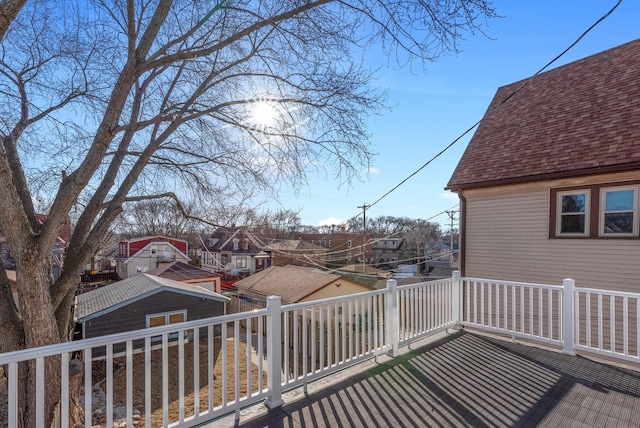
(364,207)
(451,215)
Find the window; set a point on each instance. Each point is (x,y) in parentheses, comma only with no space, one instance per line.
(349,243)
(236,243)
(618,211)
(241,262)
(330,243)
(349,255)
(157,320)
(597,211)
(572,213)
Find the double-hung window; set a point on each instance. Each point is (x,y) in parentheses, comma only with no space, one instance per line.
(573,213)
(618,211)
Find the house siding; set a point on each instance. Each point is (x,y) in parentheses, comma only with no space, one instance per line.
(134,316)
(506,234)
(332,290)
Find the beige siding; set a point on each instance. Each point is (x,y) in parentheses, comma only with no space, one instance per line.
(332,290)
(507,237)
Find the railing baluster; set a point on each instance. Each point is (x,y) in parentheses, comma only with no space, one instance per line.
(236,359)
(260,352)
(129,380)
(296,341)
(344,331)
(531,311)
(287,317)
(225,362)
(314,350)
(625,324)
(336,336)
(248,333)
(210,364)
(612,322)
(165,380)
(109,408)
(329,337)
(40,392)
(88,387)
(587,318)
(305,343)
(64,389)
(12,393)
(600,322)
(322,336)
(196,372)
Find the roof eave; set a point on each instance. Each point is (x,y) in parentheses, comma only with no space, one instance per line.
(584,172)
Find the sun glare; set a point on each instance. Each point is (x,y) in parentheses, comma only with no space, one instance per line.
(263,114)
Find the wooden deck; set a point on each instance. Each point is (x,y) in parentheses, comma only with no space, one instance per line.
(464,379)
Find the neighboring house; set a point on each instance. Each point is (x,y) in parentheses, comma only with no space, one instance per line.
(387,252)
(296,284)
(234,251)
(298,253)
(143,301)
(189,274)
(344,248)
(364,274)
(139,255)
(550,182)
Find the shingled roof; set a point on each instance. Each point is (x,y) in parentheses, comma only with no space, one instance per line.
(579,119)
(291,283)
(127,291)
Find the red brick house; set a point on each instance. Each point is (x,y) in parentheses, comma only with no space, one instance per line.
(549,184)
(343,248)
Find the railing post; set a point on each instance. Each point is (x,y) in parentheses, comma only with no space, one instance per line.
(391,316)
(568,318)
(274,352)
(456,298)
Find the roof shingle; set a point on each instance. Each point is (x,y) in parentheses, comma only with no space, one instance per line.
(578,119)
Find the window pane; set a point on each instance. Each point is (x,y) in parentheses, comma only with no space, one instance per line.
(573,223)
(618,222)
(156,321)
(574,203)
(621,200)
(174,318)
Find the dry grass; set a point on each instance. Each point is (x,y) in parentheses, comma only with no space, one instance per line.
(173,380)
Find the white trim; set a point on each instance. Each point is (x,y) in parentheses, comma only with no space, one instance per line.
(602,211)
(559,213)
(166,316)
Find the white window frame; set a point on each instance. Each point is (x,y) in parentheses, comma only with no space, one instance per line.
(167,315)
(602,212)
(587,219)
(349,243)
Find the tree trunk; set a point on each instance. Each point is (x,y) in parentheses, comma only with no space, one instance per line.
(40,328)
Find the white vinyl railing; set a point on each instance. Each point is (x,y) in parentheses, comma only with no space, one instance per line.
(607,323)
(532,311)
(208,368)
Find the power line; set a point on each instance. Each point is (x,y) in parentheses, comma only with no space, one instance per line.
(602,18)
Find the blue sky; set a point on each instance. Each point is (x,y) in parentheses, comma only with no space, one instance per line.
(431,109)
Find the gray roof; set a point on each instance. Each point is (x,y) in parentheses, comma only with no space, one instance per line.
(113,296)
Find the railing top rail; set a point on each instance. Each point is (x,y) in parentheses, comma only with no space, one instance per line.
(607,292)
(513,283)
(423,283)
(77,345)
(303,305)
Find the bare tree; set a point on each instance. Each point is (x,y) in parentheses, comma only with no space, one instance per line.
(108,102)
